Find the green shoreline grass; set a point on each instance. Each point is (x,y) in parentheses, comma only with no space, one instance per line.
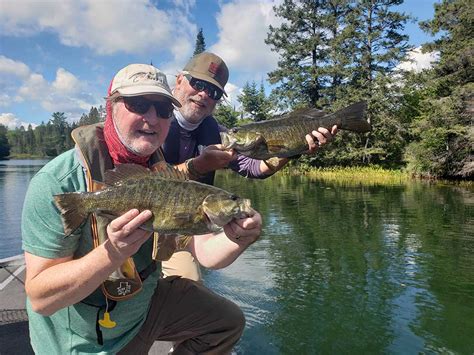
(27,156)
(372,175)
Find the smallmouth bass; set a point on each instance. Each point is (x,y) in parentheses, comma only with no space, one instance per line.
(179,206)
(284,136)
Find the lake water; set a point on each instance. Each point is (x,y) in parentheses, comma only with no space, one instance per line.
(339,269)
(14,178)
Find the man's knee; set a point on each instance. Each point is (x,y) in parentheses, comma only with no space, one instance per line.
(234,318)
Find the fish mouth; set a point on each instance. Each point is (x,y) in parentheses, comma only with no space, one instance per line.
(228,141)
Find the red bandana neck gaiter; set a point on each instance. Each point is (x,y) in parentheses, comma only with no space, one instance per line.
(119,153)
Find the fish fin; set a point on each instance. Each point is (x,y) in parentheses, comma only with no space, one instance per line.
(106,214)
(168,171)
(275,146)
(163,246)
(97,185)
(311,112)
(352,118)
(125,172)
(73,212)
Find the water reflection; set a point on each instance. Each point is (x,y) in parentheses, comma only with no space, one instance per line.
(354,269)
(339,268)
(15,176)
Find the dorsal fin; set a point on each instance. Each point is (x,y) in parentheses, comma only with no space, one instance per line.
(168,171)
(311,112)
(125,172)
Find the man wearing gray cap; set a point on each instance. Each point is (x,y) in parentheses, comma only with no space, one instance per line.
(199,87)
(98,289)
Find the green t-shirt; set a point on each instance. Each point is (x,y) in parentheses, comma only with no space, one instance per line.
(72,330)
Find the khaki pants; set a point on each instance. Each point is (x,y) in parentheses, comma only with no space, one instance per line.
(187,313)
(183,264)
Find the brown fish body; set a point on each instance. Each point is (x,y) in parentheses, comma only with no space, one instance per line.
(285,136)
(178,206)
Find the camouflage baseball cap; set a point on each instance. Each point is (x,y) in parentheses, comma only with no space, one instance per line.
(141,79)
(209,67)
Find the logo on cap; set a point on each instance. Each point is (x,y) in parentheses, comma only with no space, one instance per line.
(142,76)
(213,68)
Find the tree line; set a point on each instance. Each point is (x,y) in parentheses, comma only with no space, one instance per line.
(336,52)
(48,139)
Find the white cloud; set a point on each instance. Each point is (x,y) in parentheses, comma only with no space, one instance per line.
(66,93)
(10,121)
(105,26)
(243,27)
(66,82)
(10,67)
(34,88)
(418,61)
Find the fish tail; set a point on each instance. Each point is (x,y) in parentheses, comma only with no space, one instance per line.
(73,211)
(352,118)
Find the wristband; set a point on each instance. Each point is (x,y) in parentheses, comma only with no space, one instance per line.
(192,170)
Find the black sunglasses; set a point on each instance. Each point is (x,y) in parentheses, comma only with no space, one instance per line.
(141,105)
(200,85)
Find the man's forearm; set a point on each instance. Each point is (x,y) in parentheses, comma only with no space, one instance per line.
(272,165)
(69,282)
(215,251)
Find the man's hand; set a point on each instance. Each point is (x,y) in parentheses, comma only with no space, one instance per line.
(213,157)
(319,138)
(125,237)
(244,231)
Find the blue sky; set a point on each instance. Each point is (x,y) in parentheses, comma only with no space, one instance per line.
(60,55)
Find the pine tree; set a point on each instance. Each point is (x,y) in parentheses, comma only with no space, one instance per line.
(200,45)
(337,52)
(226,115)
(302,44)
(254,101)
(380,46)
(445,138)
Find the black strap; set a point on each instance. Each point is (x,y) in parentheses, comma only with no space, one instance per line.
(150,269)
(98,331)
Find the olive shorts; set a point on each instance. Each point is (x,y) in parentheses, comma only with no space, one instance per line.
(196,319)
(183,264)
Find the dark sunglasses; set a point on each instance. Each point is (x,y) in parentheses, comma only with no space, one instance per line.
(200,85)
(141,105)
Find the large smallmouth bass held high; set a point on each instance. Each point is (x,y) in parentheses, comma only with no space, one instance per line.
(285,136)
(179,206)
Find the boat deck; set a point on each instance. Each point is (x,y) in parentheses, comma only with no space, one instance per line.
(14,334)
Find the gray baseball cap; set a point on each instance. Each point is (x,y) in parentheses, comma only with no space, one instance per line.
(141,79)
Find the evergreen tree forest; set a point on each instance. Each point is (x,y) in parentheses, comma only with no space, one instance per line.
(336,52)
(45,140)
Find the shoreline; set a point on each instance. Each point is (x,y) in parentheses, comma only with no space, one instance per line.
(372,174)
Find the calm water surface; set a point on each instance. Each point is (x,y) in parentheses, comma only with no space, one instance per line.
(14,178)
(338,269)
